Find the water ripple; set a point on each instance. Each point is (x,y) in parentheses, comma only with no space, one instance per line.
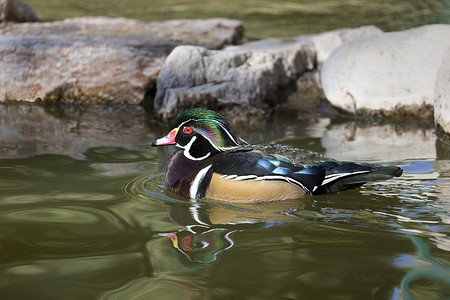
(62,228)
(57,196)
(147,188)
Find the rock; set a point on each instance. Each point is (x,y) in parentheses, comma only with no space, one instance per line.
(392,72)
(442,98)
(254,77)
(303,103)
(326,42)
(16,11)
(98,59)
(194,76)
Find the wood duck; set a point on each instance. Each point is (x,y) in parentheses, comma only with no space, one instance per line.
(215,163)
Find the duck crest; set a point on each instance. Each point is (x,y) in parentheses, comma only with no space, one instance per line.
(211,126)
(215,163)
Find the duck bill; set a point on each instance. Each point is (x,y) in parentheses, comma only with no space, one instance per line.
(172,236)
(169,139)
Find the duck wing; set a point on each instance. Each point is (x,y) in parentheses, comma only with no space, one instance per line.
(339,176)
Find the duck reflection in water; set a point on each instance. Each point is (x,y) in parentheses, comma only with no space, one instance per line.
(209,228)
(200,245)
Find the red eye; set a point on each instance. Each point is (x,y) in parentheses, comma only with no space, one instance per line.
(187,130)
(186,241)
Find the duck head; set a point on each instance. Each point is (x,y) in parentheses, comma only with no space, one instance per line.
(201,133)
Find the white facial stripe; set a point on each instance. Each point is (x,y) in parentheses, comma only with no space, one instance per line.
(212,144)
(197,180)
(184,123)
(188,147)
(228,133)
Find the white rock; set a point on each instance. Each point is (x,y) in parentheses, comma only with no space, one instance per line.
(325,43)
(442,95)
(387,71)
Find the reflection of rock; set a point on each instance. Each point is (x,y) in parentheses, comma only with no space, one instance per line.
(253,77)
(117,169)
(442,98)
(389,72)
(27,130)
(97,59)
(16,11)
(349,142)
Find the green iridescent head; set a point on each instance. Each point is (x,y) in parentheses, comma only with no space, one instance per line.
(201,133)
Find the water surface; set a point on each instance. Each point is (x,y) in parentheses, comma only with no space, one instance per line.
(97,223)
(84,213)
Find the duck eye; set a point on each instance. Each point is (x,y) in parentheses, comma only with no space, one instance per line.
(187,130)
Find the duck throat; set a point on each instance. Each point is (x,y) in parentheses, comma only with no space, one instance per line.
(199,148)
(182,171)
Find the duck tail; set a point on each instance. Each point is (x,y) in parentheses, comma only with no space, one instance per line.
(344,176)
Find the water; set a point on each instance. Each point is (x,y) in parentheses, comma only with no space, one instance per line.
(84,213)
(79,220)
(262,18)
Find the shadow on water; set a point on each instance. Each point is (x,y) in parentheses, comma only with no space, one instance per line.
(84,215)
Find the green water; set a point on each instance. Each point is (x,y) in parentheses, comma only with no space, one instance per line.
(84,213)
(262,18)
(83,221)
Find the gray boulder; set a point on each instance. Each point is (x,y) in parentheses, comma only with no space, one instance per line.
(442,98)
(97,59)
(245,80)
(391,72)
